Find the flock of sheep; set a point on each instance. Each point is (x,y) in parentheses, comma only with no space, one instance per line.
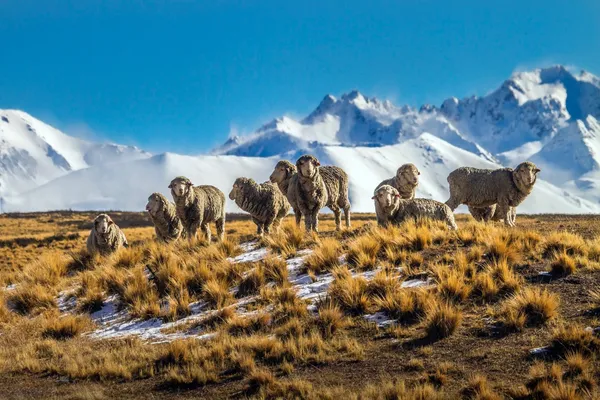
(307,187)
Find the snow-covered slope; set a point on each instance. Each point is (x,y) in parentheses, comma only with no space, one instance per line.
(549,116)
(33,153)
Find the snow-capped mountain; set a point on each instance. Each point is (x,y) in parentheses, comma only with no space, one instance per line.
(549,116)
(33,153)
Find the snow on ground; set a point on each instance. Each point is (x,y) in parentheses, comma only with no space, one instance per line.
(116,323)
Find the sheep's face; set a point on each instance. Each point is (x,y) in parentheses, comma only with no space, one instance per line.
(154,204)
(386,196)
(527,173)
(234,191)
(280,173)
(307,166)
(408,173)
(102,223)
(180,186)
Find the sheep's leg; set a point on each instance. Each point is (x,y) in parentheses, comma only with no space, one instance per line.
(268,224)
(502,212)
(220,224)
(259,229)
(298,216)
(347,215)
(192,230)
(337,213)
(315,220)
(453,202)
(308,222)
(207,234)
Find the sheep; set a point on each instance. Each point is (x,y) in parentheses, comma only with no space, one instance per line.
(197,206)
(392,208)
(504,187)
(405,181)
(105,237)
(285,176)
(485,214)
(265,203)
(312,192)
(163,214)
(336,184)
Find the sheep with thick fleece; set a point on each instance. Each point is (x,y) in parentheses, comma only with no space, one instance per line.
(105,237)
(504,187)
(264,202)
(163,214)
(336,184)
(197,206)
(391,208)
(405,181)
(312,192)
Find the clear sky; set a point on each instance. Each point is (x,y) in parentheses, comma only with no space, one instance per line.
(181,75)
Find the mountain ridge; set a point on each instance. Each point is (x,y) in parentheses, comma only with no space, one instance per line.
(547,115)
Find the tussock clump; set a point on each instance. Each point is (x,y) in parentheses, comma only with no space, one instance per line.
(406,306)
(251,283)
(564,242)
(275,270)
(325,256)
(569,339)
(66,327)
(452,284)
(48,270)
(399,390)
(528,308)
(562,264)
(382,283)
(31,299)
(500,250)
(349,293)
(216,293)
(238,326)
(363,251)
(418,234)
(479,388)
(330,319)
(441,320)
(288,240)
(497,280)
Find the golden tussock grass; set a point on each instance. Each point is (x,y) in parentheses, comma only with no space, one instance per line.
(573,338)
(407,305)
(441,320)
(479,388)
(288,240)
(559,242)
(275,270)
(562,264)
(363,251)
(349,293)
(65,327)
(31,298)
(325,256)
(452,284)
(528,308)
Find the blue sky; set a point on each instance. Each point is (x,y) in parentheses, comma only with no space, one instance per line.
(180,75)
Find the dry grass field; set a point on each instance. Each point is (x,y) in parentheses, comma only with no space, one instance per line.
(332,316)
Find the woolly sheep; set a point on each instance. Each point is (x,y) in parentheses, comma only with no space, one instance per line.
(405,181)
(197,206)
(392,208)
(485,214)
(312,192)
(504,187)
(105,237)
(163,214)
(265,203)
(336,184)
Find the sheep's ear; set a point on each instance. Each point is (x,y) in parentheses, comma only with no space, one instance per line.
(418,172)
(317,163)
(373,198)
(397,196)
(537,170)
(110,221)
(170,186)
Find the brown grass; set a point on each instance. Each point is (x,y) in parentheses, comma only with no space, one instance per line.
(442,320)
(325,256)
(528,308)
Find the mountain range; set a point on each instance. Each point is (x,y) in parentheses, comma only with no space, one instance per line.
(548,116)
